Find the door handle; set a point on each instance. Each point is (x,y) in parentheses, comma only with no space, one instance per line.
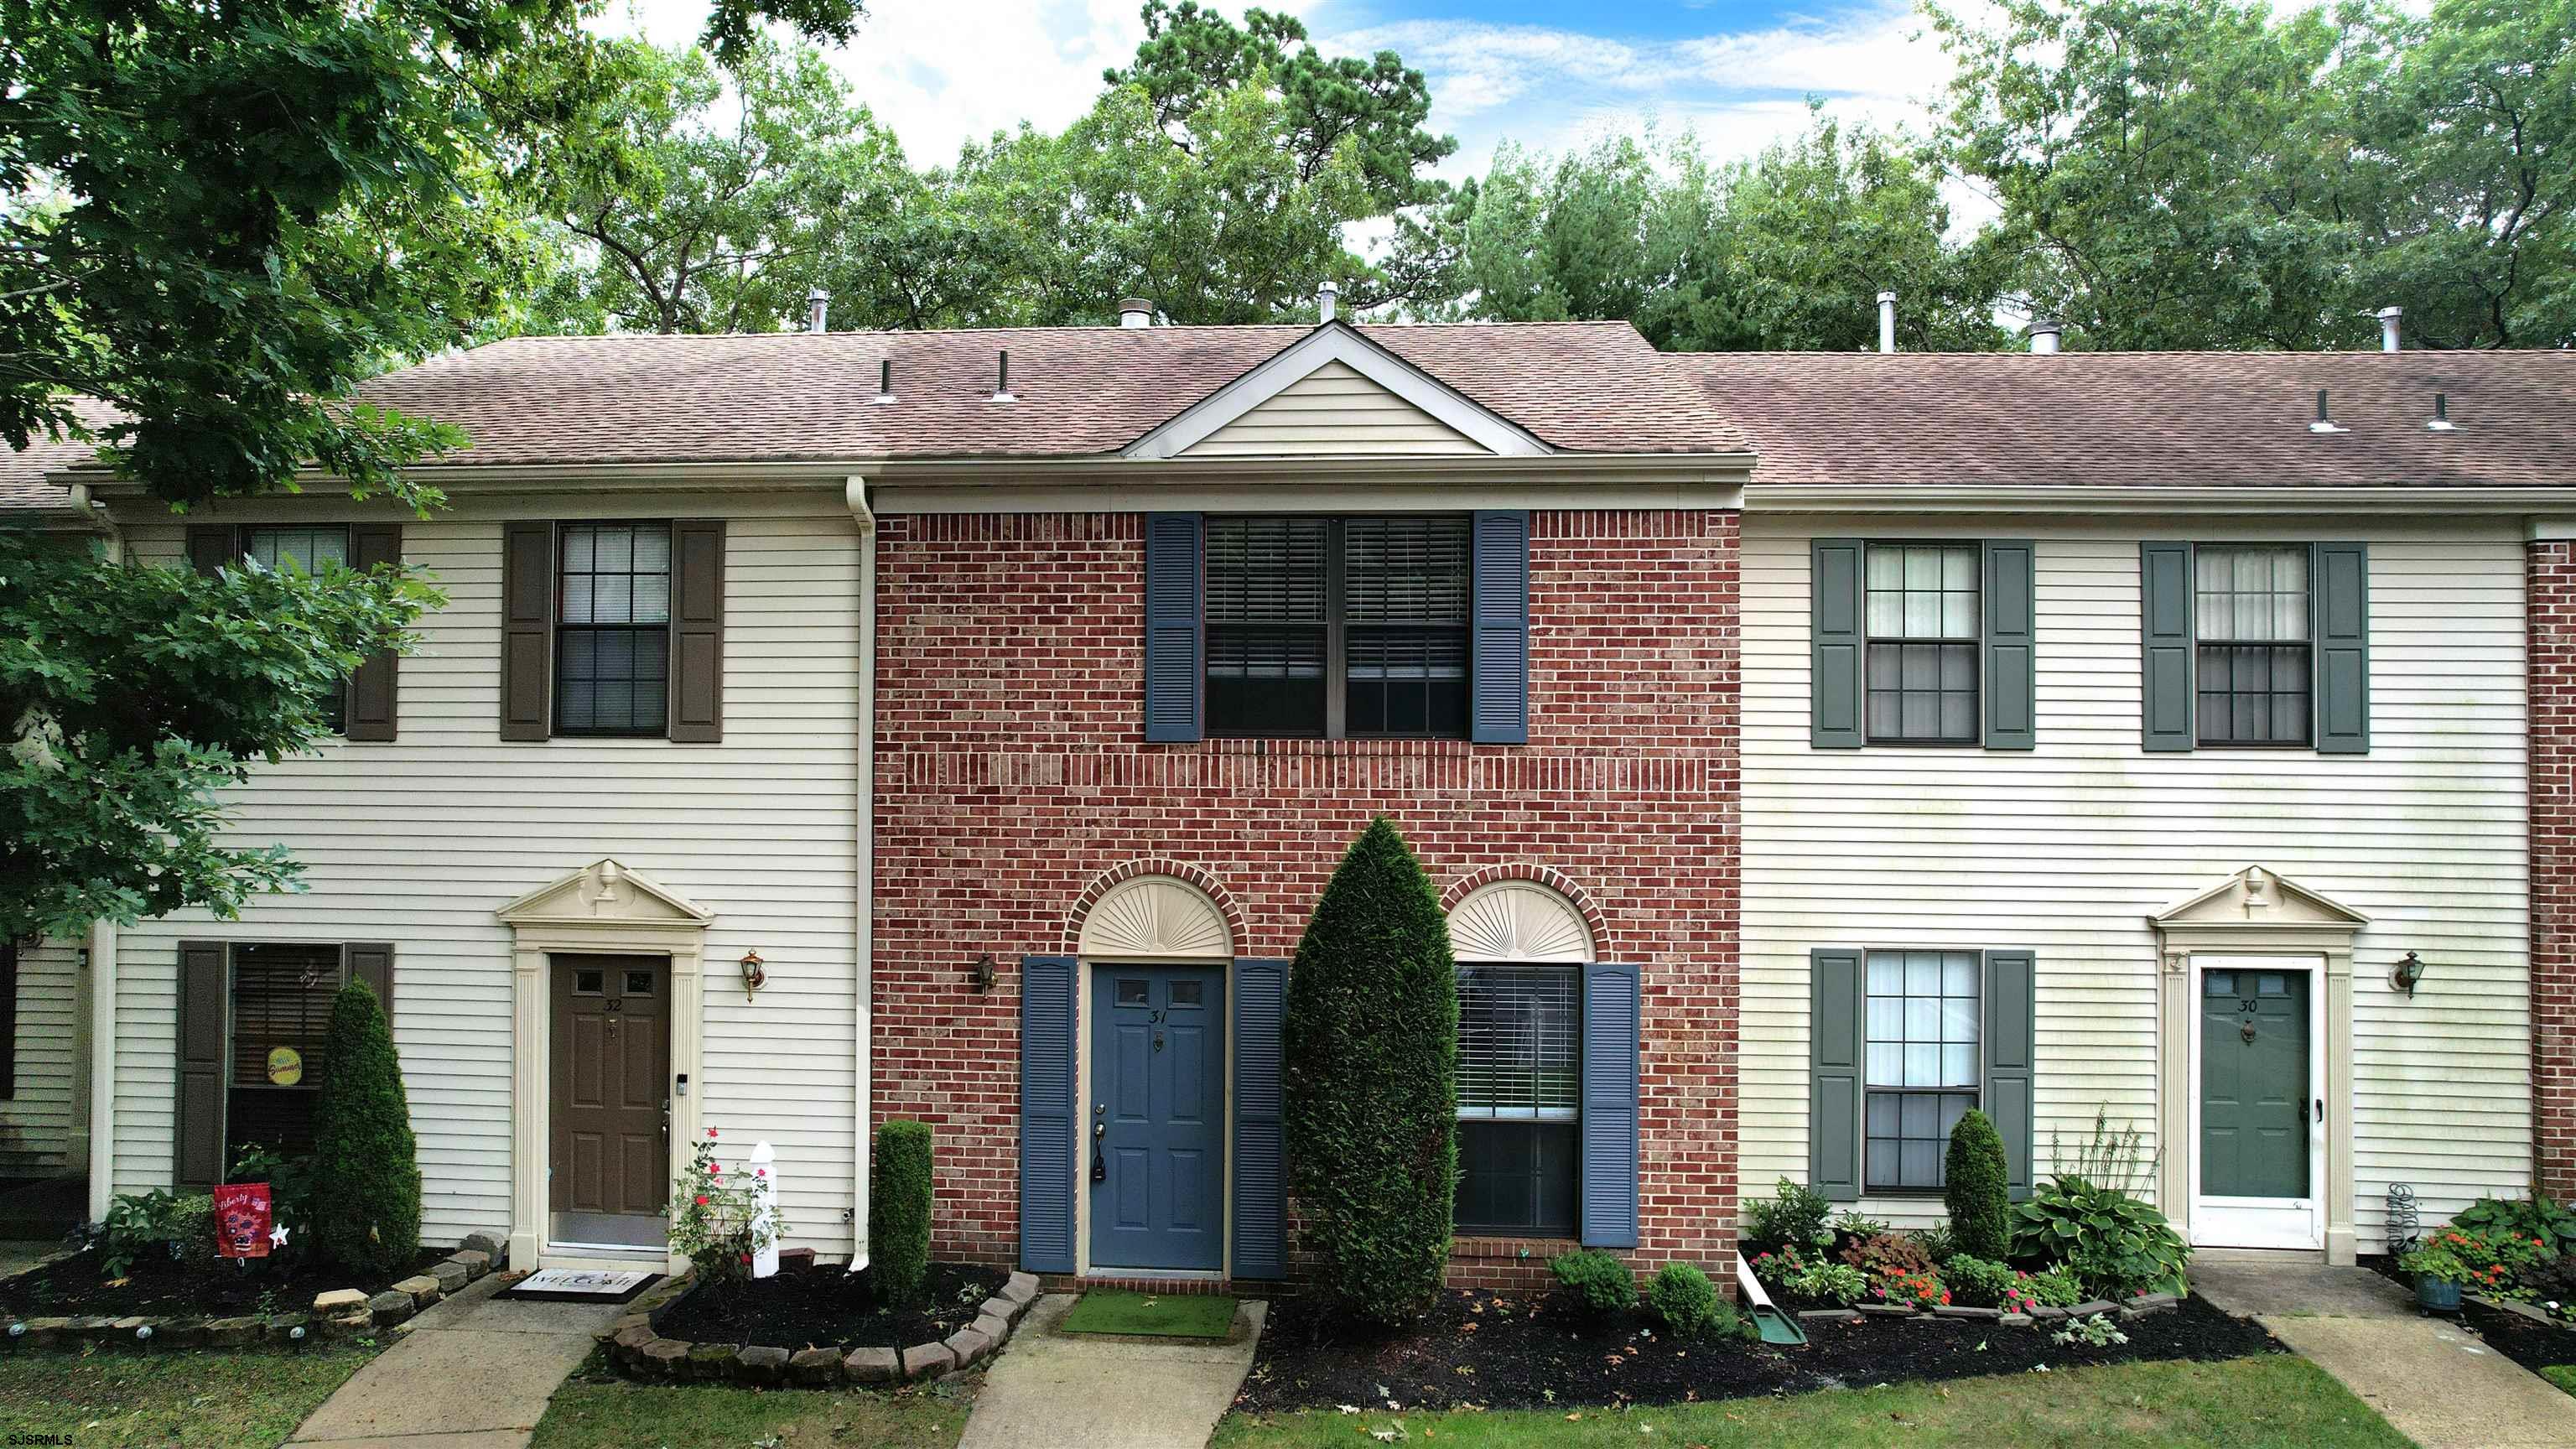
(2321,1111)
(1099,1163)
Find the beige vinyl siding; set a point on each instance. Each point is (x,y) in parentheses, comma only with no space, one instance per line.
(419,841)
(2068,848)
(1334,409)
(38,1120)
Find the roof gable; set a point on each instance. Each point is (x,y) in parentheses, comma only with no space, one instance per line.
(1335,392)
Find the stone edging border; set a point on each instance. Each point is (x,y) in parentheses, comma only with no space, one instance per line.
(641,1353)
(2520,1309)
(2138,1307)
(339,1313)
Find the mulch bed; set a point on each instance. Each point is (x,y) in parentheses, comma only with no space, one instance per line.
(826,1307)
(158,1287)
(1503,1352)
(2535,1346)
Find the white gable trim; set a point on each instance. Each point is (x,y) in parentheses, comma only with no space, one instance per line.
(1338,342)
(605,893)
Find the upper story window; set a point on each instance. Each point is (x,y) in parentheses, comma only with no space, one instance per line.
(307,550)
(1923,639)
(613,629)
(1337,627)
(2251,607)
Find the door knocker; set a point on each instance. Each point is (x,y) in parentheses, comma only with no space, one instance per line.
(2248,1030)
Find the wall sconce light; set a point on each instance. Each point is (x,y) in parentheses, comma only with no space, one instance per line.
(2408,972)
(980,975)
(753,978)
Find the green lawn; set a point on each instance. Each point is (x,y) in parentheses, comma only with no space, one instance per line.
(2563,1375)
(2277,1402)
(602,1413)
(167,1401)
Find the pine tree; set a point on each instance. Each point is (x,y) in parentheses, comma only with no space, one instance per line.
(1371,1046)
(366,1194)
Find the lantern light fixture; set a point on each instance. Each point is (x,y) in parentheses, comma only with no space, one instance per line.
(753,977)
(2408,972)
(981,975)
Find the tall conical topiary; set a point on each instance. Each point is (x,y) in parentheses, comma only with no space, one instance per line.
(1371,1047)
(366,1193)
(1976,1188)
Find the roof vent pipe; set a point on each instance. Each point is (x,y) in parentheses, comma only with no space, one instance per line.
(2324,424)
(1002,384)
(1887,321)
(1325,297)
(1135,312)
(2441,415)
(2043,336)
(2388,327)
(885,380)
(818,303)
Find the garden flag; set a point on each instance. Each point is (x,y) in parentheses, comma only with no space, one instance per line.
(242,1219)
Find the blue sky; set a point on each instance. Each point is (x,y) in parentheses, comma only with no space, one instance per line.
(1547,76)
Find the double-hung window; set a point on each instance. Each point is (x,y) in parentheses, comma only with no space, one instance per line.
(1520,1082)
(1337,627)
(1922,1064)
(1923,639)
(2252,611)
(613,629)
(309,551)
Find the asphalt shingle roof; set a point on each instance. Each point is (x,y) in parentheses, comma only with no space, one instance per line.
(2147,419)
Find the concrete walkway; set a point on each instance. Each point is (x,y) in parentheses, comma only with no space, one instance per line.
(2426,1375)
(472,1373)
(1052,1390)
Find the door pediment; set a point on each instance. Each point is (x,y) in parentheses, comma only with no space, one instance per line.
(2255,900)
(605,893)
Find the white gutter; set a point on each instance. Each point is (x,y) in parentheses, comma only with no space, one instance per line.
(863,1136)
(102,1067)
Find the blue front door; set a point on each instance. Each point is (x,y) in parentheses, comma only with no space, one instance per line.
(1157,1128)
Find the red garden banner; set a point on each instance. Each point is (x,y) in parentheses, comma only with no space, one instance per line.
(241,1219)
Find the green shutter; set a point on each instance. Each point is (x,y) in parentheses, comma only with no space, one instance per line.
(2339,594)
(2011,1048)
(1834,1078)
(2168,711)
(1837,648)
(2010,646)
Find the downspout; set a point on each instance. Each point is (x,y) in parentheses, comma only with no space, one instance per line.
(102,1067)
(864,957)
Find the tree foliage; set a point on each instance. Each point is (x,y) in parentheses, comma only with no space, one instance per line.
(366,1194)
(1976,1188)
(1369,1044)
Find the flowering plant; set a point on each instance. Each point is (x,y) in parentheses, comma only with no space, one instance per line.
(2481,1261)
(1914,1290)
(718,1224)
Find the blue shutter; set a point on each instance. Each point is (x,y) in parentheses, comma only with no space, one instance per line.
(1498,673)
(2011,722)
(1835,655)
(1047,1114)
(1260,1196)
(1174,674)
(2339,595)
(2011,1047)
(1834,1077)
(1610,1025)
(2170,717)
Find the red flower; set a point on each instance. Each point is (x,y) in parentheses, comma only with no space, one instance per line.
(702,1199)
(715,1169)
(711,1132)
(746,1257)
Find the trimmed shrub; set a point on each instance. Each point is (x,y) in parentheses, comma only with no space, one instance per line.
(1370,1043)
(366,1188)
(1683,1297)
(192,1230)
(1793,1216)
(1598,1280)
(899,1211)
(1980,1283)
(1977,1193)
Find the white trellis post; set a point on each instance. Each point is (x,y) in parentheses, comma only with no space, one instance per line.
(764,1196)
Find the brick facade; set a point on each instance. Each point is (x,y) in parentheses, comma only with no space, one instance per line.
(1012,777)
(2551,606)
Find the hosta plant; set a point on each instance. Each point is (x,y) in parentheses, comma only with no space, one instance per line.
(2116,1245)
(2535,1217)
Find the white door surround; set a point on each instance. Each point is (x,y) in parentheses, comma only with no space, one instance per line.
(2248,1222)
(2255,913)
(603,909)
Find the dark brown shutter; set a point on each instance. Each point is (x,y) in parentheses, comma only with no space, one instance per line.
(697,630)
(372,688)
(373,963)
(8,1021)
(527,630)
(211,546)
(202,991)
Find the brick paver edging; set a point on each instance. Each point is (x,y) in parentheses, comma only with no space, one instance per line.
(641,1353)
(339,1313)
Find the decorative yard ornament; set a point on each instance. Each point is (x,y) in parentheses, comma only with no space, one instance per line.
(244,1220)
(764,1197)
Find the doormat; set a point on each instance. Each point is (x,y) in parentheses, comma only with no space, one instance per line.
(578,1285)
(1116,1310)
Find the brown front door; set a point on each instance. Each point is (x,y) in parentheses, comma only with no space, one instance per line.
(612,1073)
